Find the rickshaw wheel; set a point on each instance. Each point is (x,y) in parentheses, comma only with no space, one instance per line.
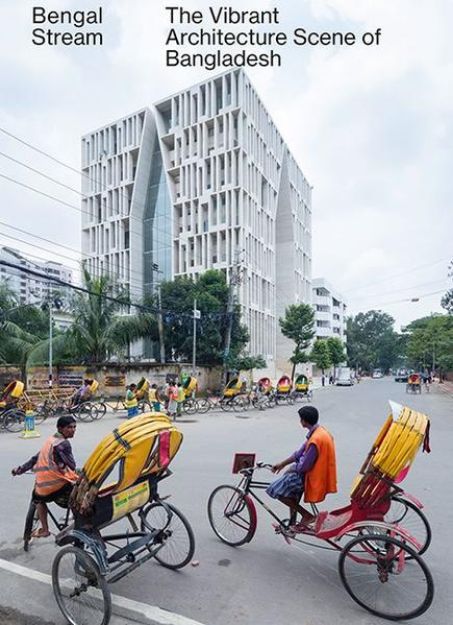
(31,524)
(409,516)
(83,412)
(179,541)
(74,574)
(232,515)
(394,584)
(13,420)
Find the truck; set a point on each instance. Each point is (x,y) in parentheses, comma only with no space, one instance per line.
(344,377)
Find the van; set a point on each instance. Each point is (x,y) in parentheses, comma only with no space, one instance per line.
(343,377)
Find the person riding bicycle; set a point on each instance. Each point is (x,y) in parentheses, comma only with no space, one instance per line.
(54,466)
(82,393)
(312,471)
(131,401)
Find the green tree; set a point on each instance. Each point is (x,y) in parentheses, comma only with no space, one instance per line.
(320,355)
(430,342)
(245,362)
(447,301)
(297,325)
(210,291)
(336,350)
(371,341)
(100,327)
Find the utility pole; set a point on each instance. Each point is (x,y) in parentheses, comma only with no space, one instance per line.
(235,279)
(50,343)
(160,325)
(196,315)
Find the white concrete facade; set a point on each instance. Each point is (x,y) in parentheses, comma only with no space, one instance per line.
(207,180)
(330,310)
(31,289)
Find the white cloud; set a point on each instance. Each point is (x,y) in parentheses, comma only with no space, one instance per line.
(370,127)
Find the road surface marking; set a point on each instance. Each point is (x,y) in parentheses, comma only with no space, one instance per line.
(124,606)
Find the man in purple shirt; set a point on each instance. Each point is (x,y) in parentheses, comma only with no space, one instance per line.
(289,488)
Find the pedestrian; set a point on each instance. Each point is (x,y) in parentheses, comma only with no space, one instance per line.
(323,380)
(312,471)
(131,401)
(154,398)
(330,379)
(180,397)
(172,394)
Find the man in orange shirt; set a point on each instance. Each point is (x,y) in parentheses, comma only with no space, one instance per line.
(54,466)
(312,471)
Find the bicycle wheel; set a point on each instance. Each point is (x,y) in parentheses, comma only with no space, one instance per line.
(394,584)
(190,406)
(226,404)
(409,516)
(98,410)
(31,524)
(81,591)
(83,412)
(13,420)
(204,405)
(232,515)
(178,542)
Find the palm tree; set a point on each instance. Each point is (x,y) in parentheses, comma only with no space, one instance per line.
(99,328)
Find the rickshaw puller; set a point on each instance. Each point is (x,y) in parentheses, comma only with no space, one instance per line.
(313,470)
(54,467)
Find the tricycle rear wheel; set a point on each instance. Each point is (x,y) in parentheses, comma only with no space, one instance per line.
(386,576)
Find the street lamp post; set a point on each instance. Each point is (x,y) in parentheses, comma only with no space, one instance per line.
(50,344)
(196,315)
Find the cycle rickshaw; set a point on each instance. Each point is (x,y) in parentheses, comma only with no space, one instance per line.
(12,417)
(139,452)
(414,383)
(302,388)
(233,388)
(380,564)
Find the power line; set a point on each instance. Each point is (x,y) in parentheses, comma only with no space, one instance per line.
(77,171)
(398,275)
(78,252)
(415,286)
(121,302)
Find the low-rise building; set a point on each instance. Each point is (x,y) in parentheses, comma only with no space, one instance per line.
(330,310)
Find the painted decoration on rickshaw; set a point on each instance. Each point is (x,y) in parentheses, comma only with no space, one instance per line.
(284,384)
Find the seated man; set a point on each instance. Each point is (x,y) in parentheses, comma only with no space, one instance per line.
(55,472)
(313,470)
(82,393)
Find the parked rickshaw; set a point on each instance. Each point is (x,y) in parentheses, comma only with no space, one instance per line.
(233,387)
(302,388)
(266,385)
(380,564)
(414,383)
(141,392)
(119,482)
(284,385)
(12,417)
(189,384)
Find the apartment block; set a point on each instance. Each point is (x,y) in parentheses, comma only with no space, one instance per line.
(201,180)
(330,310)
(31,289)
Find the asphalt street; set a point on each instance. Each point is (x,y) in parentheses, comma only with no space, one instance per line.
(267,581)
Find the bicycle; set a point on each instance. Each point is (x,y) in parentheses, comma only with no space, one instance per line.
(372,540)
(12,419)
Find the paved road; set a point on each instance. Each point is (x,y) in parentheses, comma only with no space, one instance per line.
(267,581)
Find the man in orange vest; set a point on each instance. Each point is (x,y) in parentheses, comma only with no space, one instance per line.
(55,471)
(312,472)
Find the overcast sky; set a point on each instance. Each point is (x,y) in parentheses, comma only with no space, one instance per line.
(370,127)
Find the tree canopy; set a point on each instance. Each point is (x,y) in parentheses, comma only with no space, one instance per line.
(320,354)
(210,290)
(297,325)
(372,341)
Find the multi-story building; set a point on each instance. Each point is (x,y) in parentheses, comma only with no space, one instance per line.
(30,289)
(330,310)
(202,180)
